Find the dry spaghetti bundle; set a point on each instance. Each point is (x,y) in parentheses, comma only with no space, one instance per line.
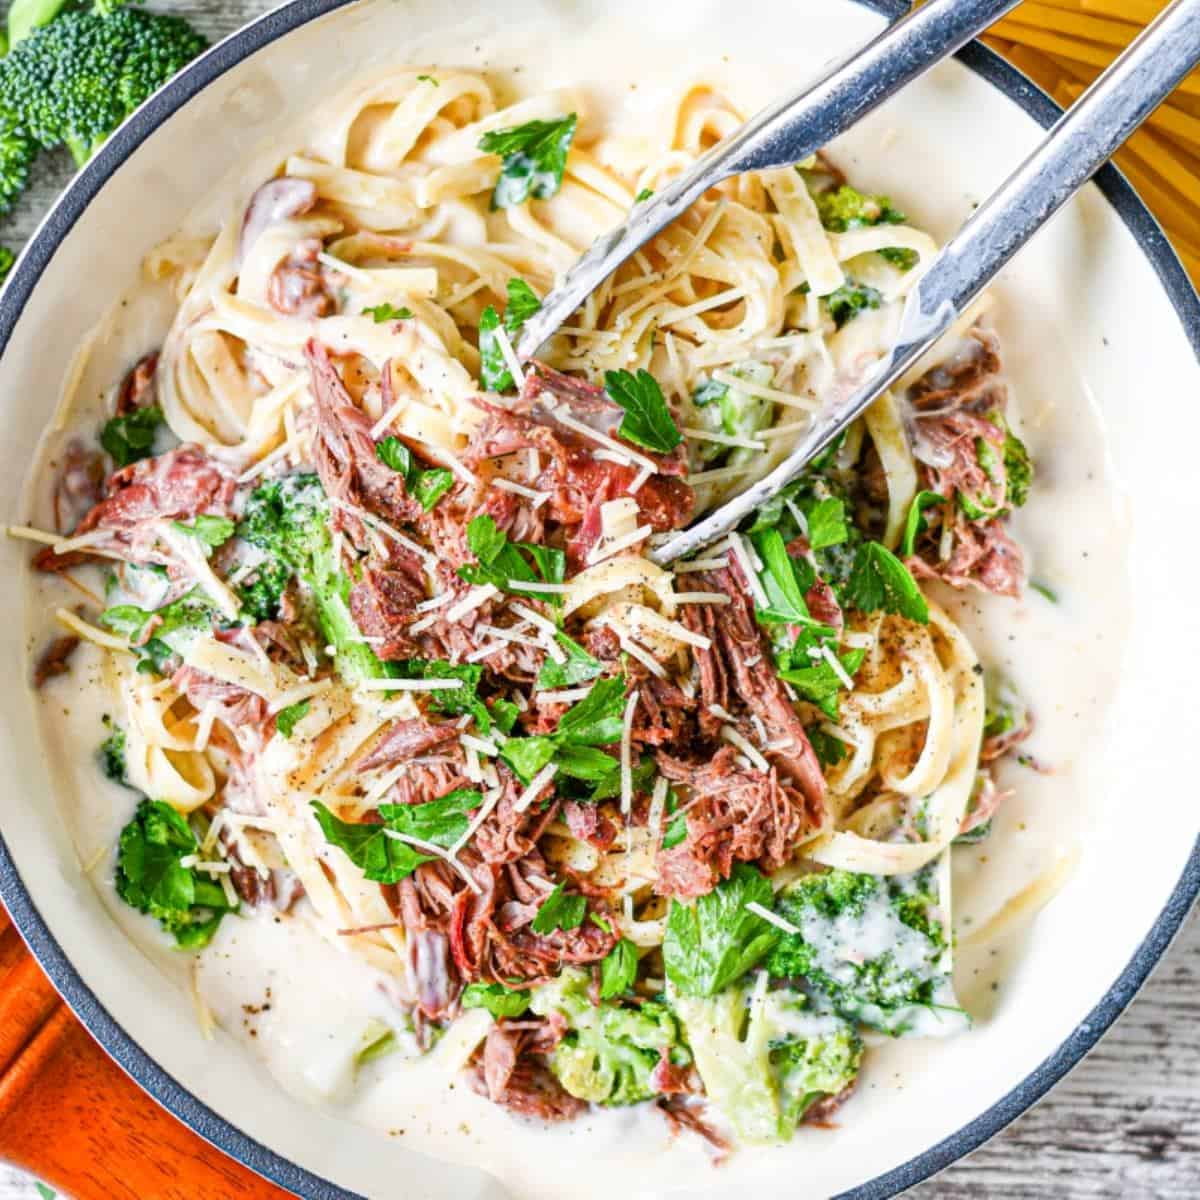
(1063,45)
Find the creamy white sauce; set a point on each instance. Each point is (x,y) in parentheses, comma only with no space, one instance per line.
(323,1003)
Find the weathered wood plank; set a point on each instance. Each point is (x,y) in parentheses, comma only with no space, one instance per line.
(1125,1124)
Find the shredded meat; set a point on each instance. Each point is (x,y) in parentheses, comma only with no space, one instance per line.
(137,388)
(736,674)
(350,470)
(299,285)
(682,1114)
(237,706)
(406,739)
(511,1069)
(181,483)
(54,660)
(735,814)
(955,412)
(821,1112)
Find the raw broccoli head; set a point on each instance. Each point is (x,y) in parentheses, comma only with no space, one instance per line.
(609,1050)
(73,81)
(17,152)
(871,948)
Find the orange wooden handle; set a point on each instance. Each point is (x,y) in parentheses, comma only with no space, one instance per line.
(71,1116)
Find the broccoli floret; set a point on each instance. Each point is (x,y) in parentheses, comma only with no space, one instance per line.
(288,519)
(7,258)
(764,1058)
(150,877)
(1018,470)
(260,597)
(819,1057)
(851,299)
(610,1050)
(73,81)
(17,152)
(848,208)
(871,948)
(112,756)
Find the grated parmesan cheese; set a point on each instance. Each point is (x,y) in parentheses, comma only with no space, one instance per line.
(627,754)
(772,918)
(478,595)
(731,735)
(536,785)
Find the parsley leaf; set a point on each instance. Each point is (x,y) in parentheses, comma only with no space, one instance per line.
(392,452)
(505,714)
(286,718)
(150,877)
(879,580)
(579,667)
(915,524)
(522,304)
(494,372)
(827,523)
(131,437)
(386,312)
(829,750)
(428,79)
(533,157)
(211,530)
(442,821)
(786,580)
(618,969)
(429,486)
(496,998)
(820,683)
(426,486)
(597,720)
(713,942)
(450,702)
(644,194)
(380,858)
(647,421)
(501,561)
(559,911)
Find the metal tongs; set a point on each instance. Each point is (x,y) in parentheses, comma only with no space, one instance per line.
(796,127)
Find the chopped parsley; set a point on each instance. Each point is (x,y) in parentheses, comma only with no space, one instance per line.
(426,485)
(880,581)
(559,911)
(130,438)
(533,157)
(494,372)
(618,969)
(386,312)
(501,562)
(287,718)
(647,421)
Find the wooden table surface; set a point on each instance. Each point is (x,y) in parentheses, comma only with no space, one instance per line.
(1125,1124)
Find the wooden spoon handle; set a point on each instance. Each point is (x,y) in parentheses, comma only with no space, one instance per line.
(71,1116)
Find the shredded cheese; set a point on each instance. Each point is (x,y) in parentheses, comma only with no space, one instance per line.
(602,439)
(519,489)
(747,747)
(742,554)
(536,785)
(607,549)
(478,595)
(409,685)
(772,918)
(437,851)
(627,754)
(567,696)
